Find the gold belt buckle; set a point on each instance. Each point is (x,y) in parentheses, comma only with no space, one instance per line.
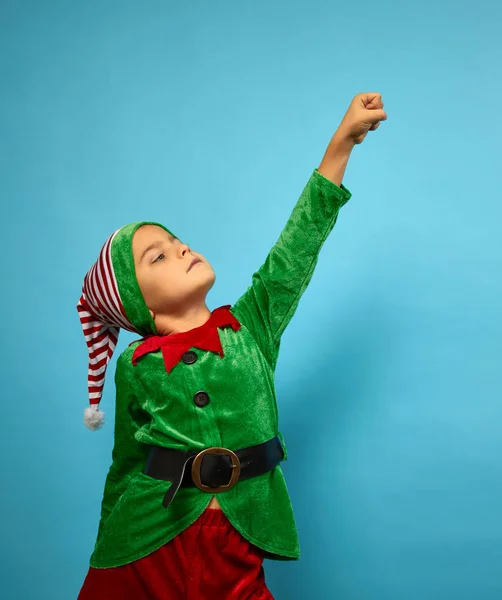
(236,470)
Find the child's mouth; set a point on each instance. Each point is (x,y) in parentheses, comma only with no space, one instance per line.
(194,262)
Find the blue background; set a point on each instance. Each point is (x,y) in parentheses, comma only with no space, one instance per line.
(210,117)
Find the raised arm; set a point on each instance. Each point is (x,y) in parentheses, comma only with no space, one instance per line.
(269,303)
(364,114)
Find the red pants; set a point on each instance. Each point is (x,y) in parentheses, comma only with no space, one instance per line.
(210,560)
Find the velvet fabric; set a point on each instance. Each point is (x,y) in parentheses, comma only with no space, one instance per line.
(156,407)
(209,560)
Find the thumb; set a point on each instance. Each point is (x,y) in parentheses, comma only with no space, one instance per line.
(375,115)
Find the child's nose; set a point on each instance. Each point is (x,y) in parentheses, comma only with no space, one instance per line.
(183,249)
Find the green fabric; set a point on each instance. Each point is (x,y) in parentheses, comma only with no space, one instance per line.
(123,265)
(153,407)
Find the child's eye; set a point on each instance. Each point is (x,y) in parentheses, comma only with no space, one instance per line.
(159,257)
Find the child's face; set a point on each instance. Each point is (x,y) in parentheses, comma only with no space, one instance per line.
(168,282)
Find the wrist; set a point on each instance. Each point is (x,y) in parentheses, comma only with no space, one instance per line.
(341,144)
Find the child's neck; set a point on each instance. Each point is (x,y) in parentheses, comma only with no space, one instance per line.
(190,319)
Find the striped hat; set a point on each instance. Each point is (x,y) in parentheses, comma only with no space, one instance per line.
(111,299)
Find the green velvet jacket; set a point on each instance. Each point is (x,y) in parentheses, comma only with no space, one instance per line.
(154,407)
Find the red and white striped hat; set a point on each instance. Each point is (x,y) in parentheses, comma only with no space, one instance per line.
(111,299)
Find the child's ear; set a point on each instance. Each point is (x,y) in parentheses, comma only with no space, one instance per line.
(152,314)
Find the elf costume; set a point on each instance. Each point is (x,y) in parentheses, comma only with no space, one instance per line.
(210,387)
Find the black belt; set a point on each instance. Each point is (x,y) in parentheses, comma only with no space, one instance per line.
(212,470)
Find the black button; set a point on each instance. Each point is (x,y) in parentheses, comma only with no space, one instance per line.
(201,399)
(189,357)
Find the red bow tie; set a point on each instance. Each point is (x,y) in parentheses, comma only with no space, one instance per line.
(205,337)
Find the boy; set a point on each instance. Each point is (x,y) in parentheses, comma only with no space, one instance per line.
(195,498)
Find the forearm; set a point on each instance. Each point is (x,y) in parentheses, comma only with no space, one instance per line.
(335,159)
(270,302)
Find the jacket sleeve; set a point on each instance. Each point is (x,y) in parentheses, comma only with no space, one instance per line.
(128,455)
(269,303)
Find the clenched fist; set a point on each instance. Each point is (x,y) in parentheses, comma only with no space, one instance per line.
(364,114)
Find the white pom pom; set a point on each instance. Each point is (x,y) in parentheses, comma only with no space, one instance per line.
(93,417)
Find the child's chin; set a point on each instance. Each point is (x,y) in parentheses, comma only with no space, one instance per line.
(203,272)
(210,281)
